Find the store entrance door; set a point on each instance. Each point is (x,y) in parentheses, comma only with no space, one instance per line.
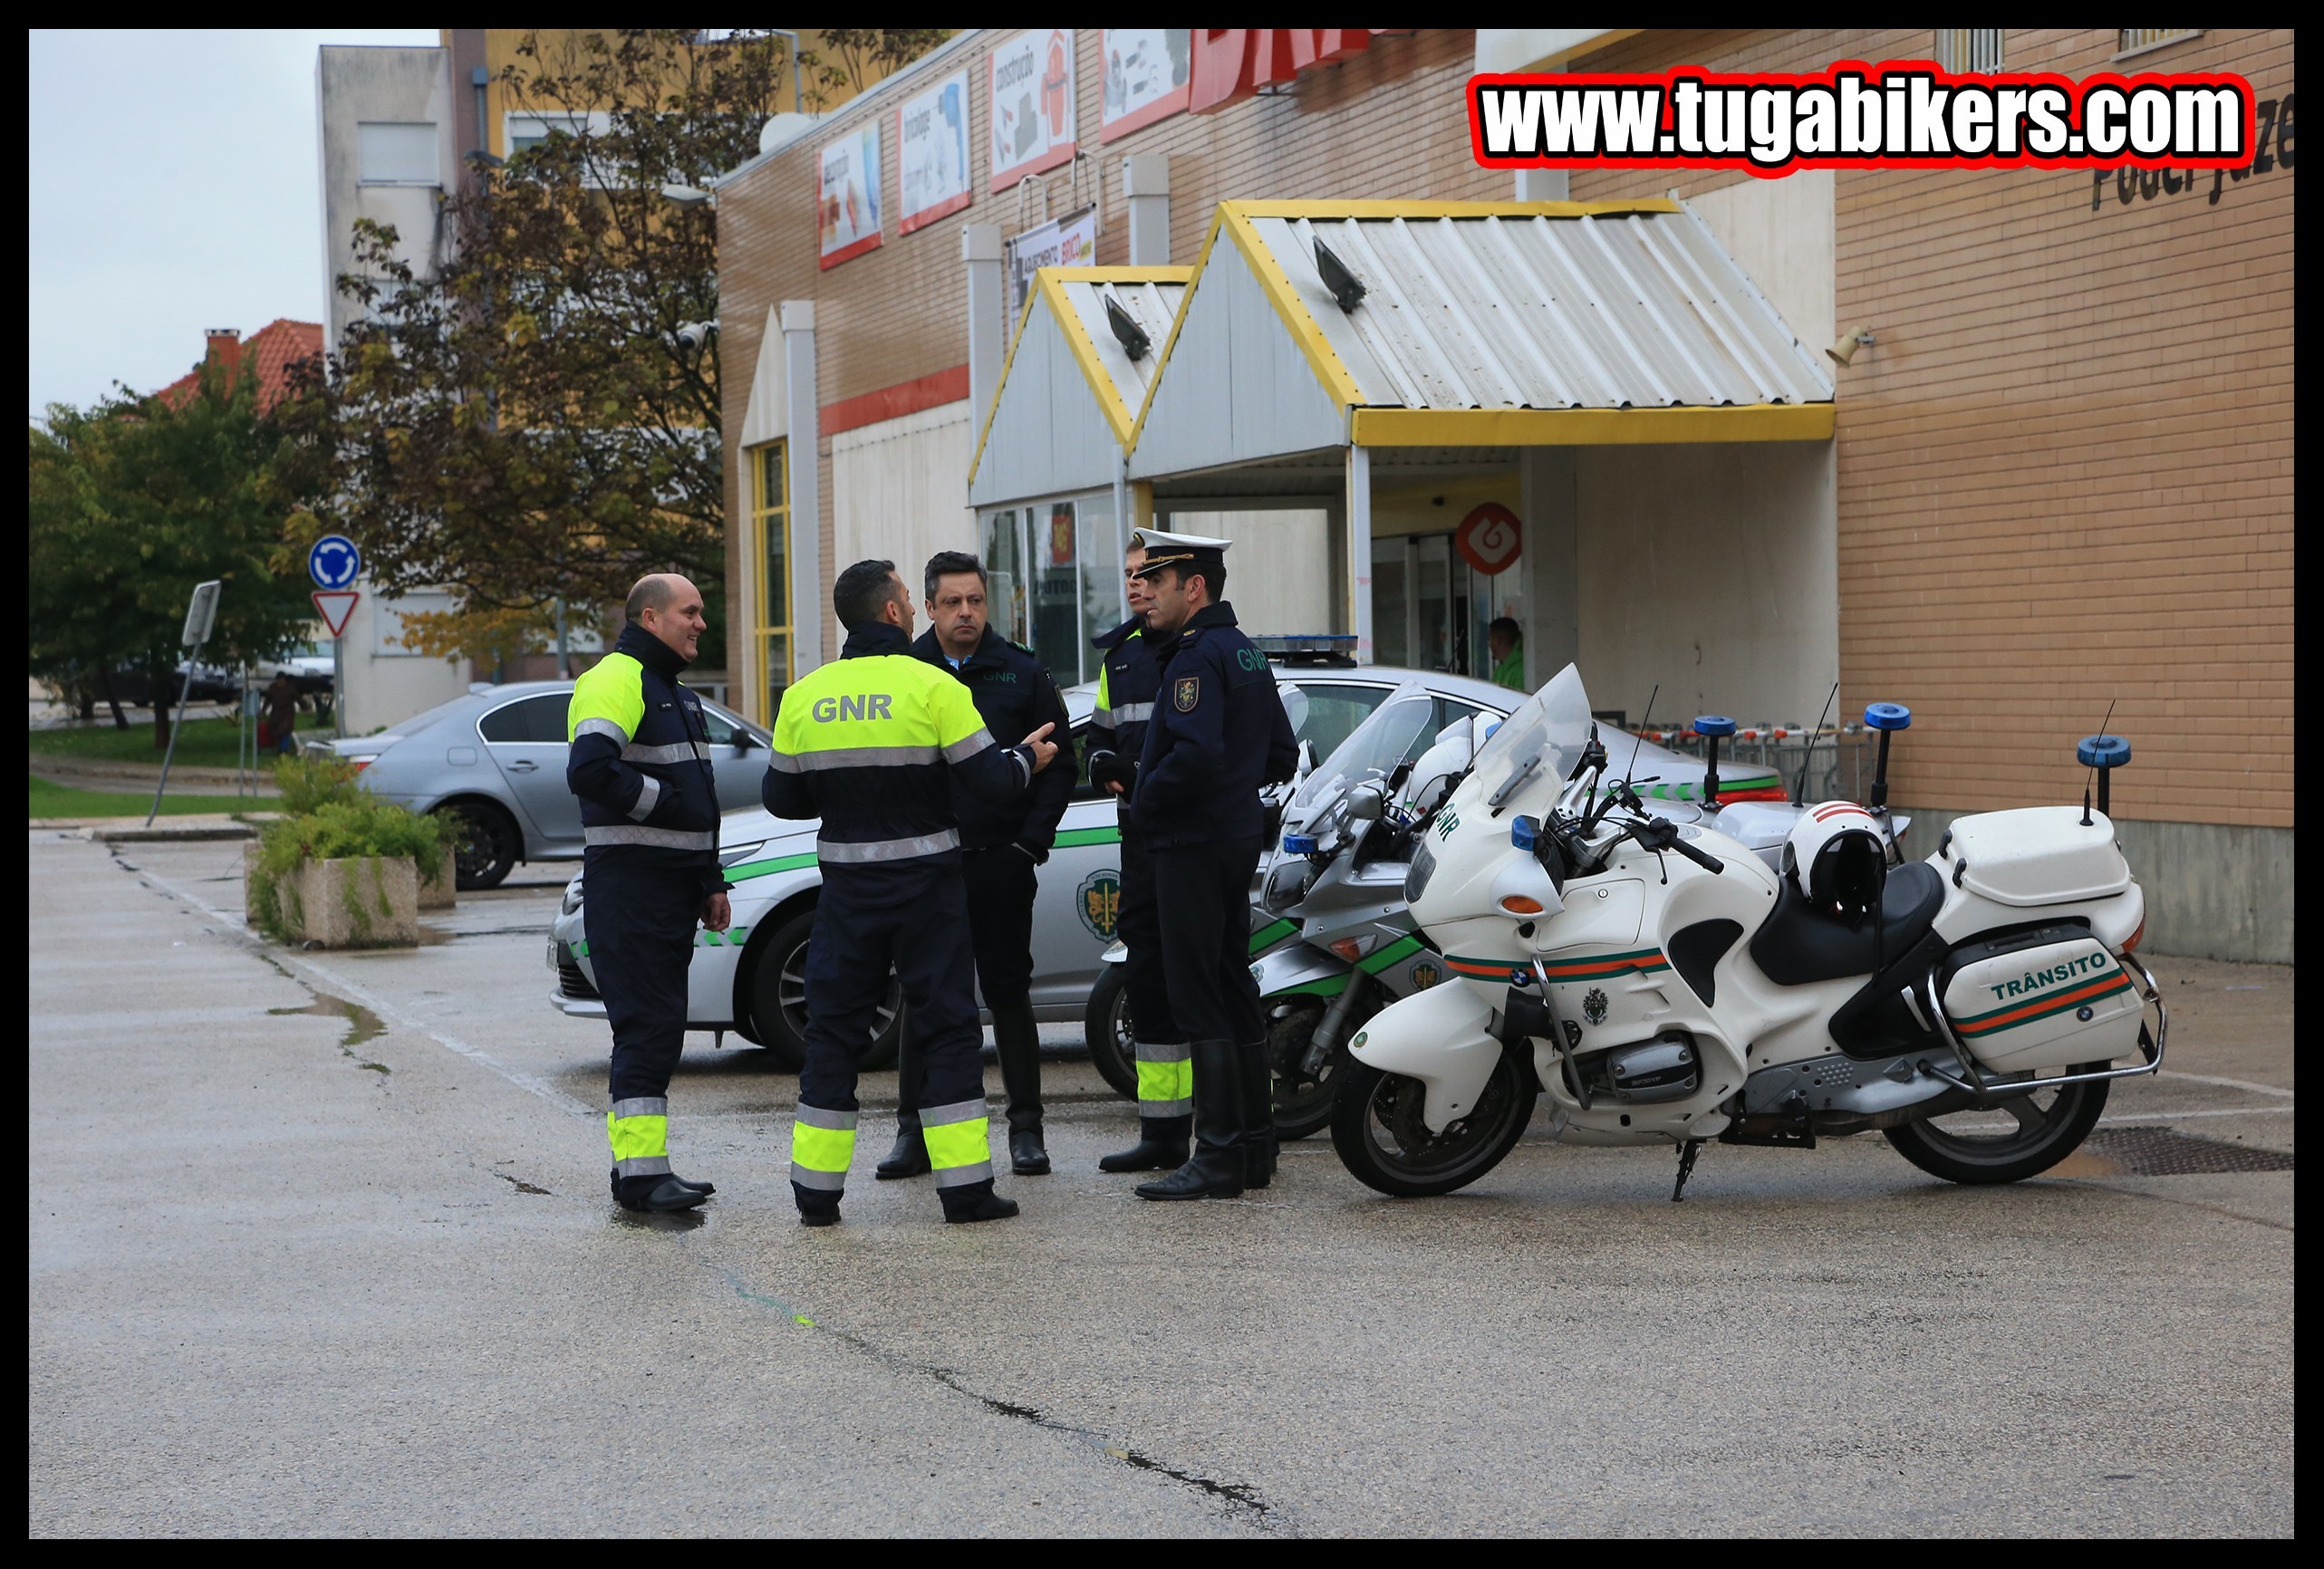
(1430,608)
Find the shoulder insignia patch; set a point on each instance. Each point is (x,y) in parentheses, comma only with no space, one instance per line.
(1186,693)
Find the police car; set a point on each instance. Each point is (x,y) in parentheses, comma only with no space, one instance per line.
(750,980)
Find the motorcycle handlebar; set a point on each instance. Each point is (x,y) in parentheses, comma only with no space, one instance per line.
(1702,858)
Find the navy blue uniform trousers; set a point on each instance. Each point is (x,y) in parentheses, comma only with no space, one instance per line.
(913,916)
(640,919)
(1151,1015)
(1202,897)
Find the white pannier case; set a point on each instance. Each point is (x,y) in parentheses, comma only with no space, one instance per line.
(2048,1004)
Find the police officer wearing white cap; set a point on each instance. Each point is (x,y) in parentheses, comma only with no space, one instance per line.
(1218,734)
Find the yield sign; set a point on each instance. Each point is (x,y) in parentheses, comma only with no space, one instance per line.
(335,605)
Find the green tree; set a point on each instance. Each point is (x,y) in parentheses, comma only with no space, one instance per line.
(526,420)
(134,502)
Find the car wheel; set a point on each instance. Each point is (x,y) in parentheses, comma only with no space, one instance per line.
(778,1002)
(489,851)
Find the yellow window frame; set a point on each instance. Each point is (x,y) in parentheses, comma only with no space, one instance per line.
(770,521)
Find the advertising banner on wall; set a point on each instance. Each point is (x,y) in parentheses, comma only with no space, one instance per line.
(1070,241)
(1029,84)
(932,154)
(848,196)
(1146,71)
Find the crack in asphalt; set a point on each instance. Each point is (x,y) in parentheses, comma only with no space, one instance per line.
(1242,1499)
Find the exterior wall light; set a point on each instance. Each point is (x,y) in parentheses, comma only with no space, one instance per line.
(1845,350)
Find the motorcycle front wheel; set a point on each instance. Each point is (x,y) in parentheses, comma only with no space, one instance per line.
(2023,1136)
(1303,1103)
(1380,1137)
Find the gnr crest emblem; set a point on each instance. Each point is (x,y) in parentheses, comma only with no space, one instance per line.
(1099,903)
(1186,693)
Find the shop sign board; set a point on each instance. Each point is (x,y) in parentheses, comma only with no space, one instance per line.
(1070,241)
(1488,538)
(1146,75)
(848,196)
(1029,103)
(932,154)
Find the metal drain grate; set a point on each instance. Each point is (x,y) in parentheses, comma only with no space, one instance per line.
(2160,1152)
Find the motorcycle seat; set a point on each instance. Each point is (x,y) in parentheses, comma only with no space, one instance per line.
(1798,943)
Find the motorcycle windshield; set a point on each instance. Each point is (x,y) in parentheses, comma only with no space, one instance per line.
(1538,746)
(1390,734)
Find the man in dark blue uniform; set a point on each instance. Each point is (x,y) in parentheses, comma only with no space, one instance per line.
(1000,845)
(1218,734)
(1126,683)
(872,743)
(640,763)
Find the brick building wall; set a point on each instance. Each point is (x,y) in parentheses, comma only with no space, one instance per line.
(2064,471)
(2065,467)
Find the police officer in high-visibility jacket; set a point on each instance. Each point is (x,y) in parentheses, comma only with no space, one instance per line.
(1217,733)
(1126,684)
(871,743)
(640,763)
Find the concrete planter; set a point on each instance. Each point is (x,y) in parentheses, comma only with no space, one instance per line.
(365,902)
(441,895)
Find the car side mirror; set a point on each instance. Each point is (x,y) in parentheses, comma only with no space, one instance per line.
(743,741)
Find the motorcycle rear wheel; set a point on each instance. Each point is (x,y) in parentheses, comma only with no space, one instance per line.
(1377,1132)
(2023,1136)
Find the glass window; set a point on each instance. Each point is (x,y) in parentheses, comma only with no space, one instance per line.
(1004,549)
(1335,708)
(770,518)
(1056,588)
(1102,602)
(529,720)
(391,152)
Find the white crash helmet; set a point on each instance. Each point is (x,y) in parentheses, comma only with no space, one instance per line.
(1835,857)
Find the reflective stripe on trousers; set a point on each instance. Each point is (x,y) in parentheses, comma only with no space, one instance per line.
(822,1144)
(660,838)
(858,852)
(960,1148)
(638,1131)
(1165,1080)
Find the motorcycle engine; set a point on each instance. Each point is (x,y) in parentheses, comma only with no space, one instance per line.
(1667,1068)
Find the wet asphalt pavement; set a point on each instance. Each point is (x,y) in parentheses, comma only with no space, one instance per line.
(320,1245)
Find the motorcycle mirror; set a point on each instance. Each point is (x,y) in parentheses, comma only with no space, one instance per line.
(1364,804)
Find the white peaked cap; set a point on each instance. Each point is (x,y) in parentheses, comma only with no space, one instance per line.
(1155,539)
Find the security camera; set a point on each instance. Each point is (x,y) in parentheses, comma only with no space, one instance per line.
(695,336)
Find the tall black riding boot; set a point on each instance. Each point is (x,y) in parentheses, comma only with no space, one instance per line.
(1216,1168)
(1018,1040)
(1258,1105)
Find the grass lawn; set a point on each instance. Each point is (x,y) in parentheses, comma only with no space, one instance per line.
(62,801)
(205,743)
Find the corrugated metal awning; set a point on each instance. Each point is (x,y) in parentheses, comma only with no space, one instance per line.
(1071,375)
(1520,324)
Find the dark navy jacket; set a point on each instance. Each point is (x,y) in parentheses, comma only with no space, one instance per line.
(1014,697)
(1218,734)
(640,761)
(1126,684)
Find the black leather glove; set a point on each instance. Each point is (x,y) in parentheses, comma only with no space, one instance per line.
(1111,768)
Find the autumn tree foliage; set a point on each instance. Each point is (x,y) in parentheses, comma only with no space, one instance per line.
(522,418)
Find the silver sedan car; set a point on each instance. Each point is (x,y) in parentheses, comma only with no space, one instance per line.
(496,757)
(751,980)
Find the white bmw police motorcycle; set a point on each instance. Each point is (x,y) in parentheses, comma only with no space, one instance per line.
(1661,984)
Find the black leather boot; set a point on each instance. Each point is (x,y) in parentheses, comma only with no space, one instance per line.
(907,1157)
(1215,1171)
(818,1207)
(704,1189)
(660,1194)
(1259,1100)
(974,1201)
(1161,1147)
(1016,1040)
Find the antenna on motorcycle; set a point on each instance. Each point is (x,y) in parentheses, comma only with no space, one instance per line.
(1800,785)
(2103,754)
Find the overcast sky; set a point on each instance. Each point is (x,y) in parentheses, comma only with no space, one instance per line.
(174,189)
